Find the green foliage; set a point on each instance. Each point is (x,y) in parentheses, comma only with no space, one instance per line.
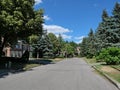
(44,47)
(110,55)
(84,47)
(62,48)
(18,17)
(33,39)
(69,50)
(88,45)
(55,43)
(106,35)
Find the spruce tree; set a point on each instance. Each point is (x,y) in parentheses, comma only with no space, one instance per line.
(91,44)
(116,23)
(84,47)
(103,32)
(44,46)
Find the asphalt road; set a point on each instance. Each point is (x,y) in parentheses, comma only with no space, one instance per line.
(70,74)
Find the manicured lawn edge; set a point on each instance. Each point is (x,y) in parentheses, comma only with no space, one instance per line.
(108,77)
(96,65)
(115,68)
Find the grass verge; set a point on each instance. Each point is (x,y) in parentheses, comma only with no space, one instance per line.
(112,71)
(116,67)
(29,66)
(108,70)
(90,61)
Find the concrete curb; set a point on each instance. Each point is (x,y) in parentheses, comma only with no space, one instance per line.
(116,68)
(109,78)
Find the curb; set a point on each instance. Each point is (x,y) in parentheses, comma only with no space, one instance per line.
(3,73)
(109,78)
(116,68)
(9,72)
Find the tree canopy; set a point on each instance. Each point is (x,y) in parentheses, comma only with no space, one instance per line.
(106,35)
(18,20)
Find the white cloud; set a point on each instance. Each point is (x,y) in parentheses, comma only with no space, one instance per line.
(46,17)
(66,36)
(38,2)
(79,39)
(57,30)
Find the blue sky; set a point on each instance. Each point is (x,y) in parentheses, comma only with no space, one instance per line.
(73,18)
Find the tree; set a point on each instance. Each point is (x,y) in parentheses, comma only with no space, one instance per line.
(16,18)
(91,51)
(33,39)
(55,43)
(37,24)
(43,47)
(108,31)
(88,47)
(116,10)
(116,23)
(104,15)
(69,50)
(61,45)
(75,48)
(84,47)
(107,34)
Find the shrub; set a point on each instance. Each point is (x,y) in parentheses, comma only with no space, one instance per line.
(110,55)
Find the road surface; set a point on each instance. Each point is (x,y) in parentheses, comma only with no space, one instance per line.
(70,74)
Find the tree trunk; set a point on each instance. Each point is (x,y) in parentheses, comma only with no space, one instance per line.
(2,46)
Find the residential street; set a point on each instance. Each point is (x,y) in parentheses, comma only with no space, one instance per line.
(69,74)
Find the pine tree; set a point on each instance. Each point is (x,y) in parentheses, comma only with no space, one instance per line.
(91,44)
(116,23)
(108,31)
(61,45)
(84,47)
(103,33)
(44,46)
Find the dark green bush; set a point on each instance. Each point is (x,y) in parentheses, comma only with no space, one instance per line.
(110,55)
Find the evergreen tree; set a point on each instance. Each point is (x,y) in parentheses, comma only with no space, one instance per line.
(106,35)
(103,33)
(116,23)
(84,47)
(61,45)
(44,47)
(104,15)
(91,44)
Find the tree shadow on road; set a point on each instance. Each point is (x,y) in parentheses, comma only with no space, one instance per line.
(16,68)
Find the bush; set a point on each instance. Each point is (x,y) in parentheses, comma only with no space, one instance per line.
(110,55)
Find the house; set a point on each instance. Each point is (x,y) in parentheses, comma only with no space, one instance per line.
(16,50)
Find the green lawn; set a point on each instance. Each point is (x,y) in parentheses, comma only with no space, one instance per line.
(116,66)
(114,76)
(111,70)
(90,61)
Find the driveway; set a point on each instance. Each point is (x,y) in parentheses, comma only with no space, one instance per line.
(69,74)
